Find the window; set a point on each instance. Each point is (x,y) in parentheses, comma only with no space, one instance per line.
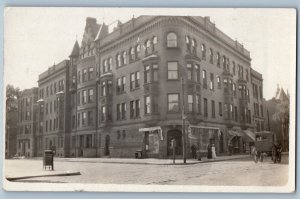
(103,88)
(119,63)
(220,109)
(147,74)
(226,111)
(124,134)
(211,83)
(91,73)
(132,109)
(83,118)
(224,62)
(118,135)
(219,82)
(218,59)
(124,58)
(198,104)
(233,67)
(213,112)
(231,111)
(109,87)
(197,73)
(203,51)
(154,41)
(91,95)
(110,64)
(190,103)
(148,47)
(236,114)
(78,119)
(137,108)
(121,84)
(123,111)
(138,50)
(132,54)
(189,71)
(78,77)
(119,111)
(204,79)
(147,105)
(103,113)
(193,46)
(172,70)
(155,72)
(234,89)
(173,102)
(134,80)
(171,40)
(84,73)
(47,91)
(84,96)
(211,56)
(247,75)
(205,107)
(90,118)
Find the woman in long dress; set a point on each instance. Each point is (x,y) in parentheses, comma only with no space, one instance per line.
(213,151)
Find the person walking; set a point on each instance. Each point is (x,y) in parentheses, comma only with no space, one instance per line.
(213,152)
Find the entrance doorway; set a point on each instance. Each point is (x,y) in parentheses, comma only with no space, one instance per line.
(177,136)
(107,142)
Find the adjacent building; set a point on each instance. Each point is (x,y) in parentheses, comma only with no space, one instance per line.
(151,80)
(27,123)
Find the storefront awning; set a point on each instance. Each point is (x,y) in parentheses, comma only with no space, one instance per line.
(204,127)
(249,136)
(234,133)
(153,130)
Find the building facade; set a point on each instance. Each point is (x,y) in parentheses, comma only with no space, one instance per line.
(27,123)
(151,80)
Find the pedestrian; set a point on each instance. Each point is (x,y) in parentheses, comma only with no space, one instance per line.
(194,152)
(213,152)
(209,155)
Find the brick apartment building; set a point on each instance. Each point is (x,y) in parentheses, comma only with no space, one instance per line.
(123,91)
(27,123)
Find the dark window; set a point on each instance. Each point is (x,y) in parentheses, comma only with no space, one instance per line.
(204,78)
(147,74)
(198,104)
(213,112)
(211,83)
(205,107)
(211,56)
(220,109)
(189,71)
(197,73)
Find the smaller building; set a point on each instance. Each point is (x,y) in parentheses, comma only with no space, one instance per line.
(27,122)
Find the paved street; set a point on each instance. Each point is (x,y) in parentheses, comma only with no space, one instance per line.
(231,172)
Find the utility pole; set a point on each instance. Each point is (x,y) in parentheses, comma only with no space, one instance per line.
(268,120)
(183,122)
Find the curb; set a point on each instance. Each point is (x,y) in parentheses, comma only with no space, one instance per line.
(45,175)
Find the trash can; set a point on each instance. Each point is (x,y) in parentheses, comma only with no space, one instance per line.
(48,159)
(138,154)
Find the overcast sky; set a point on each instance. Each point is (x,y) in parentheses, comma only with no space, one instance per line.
(36,38)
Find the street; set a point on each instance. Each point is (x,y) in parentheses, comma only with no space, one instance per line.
(240,172)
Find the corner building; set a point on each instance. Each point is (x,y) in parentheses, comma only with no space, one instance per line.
(131,88)
(140,93)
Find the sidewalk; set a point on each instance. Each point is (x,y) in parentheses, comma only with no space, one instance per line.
(150,161)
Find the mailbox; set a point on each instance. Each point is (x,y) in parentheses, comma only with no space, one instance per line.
(48,159)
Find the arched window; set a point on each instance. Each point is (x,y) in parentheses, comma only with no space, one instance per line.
(172,40)
(224,61)
(148,45)
(154,40)
(124,57)
(110,64)
(211,55)
(187,39)
(138,50)
(218,59)
(233,67)
(132,54)
(118,60)
(105,66)
(203,50)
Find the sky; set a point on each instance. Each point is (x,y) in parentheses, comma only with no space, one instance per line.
(36,38)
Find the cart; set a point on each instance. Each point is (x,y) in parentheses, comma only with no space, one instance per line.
(264,145)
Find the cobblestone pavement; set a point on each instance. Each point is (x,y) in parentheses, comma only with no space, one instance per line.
(235,172)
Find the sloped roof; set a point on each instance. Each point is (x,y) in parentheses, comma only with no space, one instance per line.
(75,51)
